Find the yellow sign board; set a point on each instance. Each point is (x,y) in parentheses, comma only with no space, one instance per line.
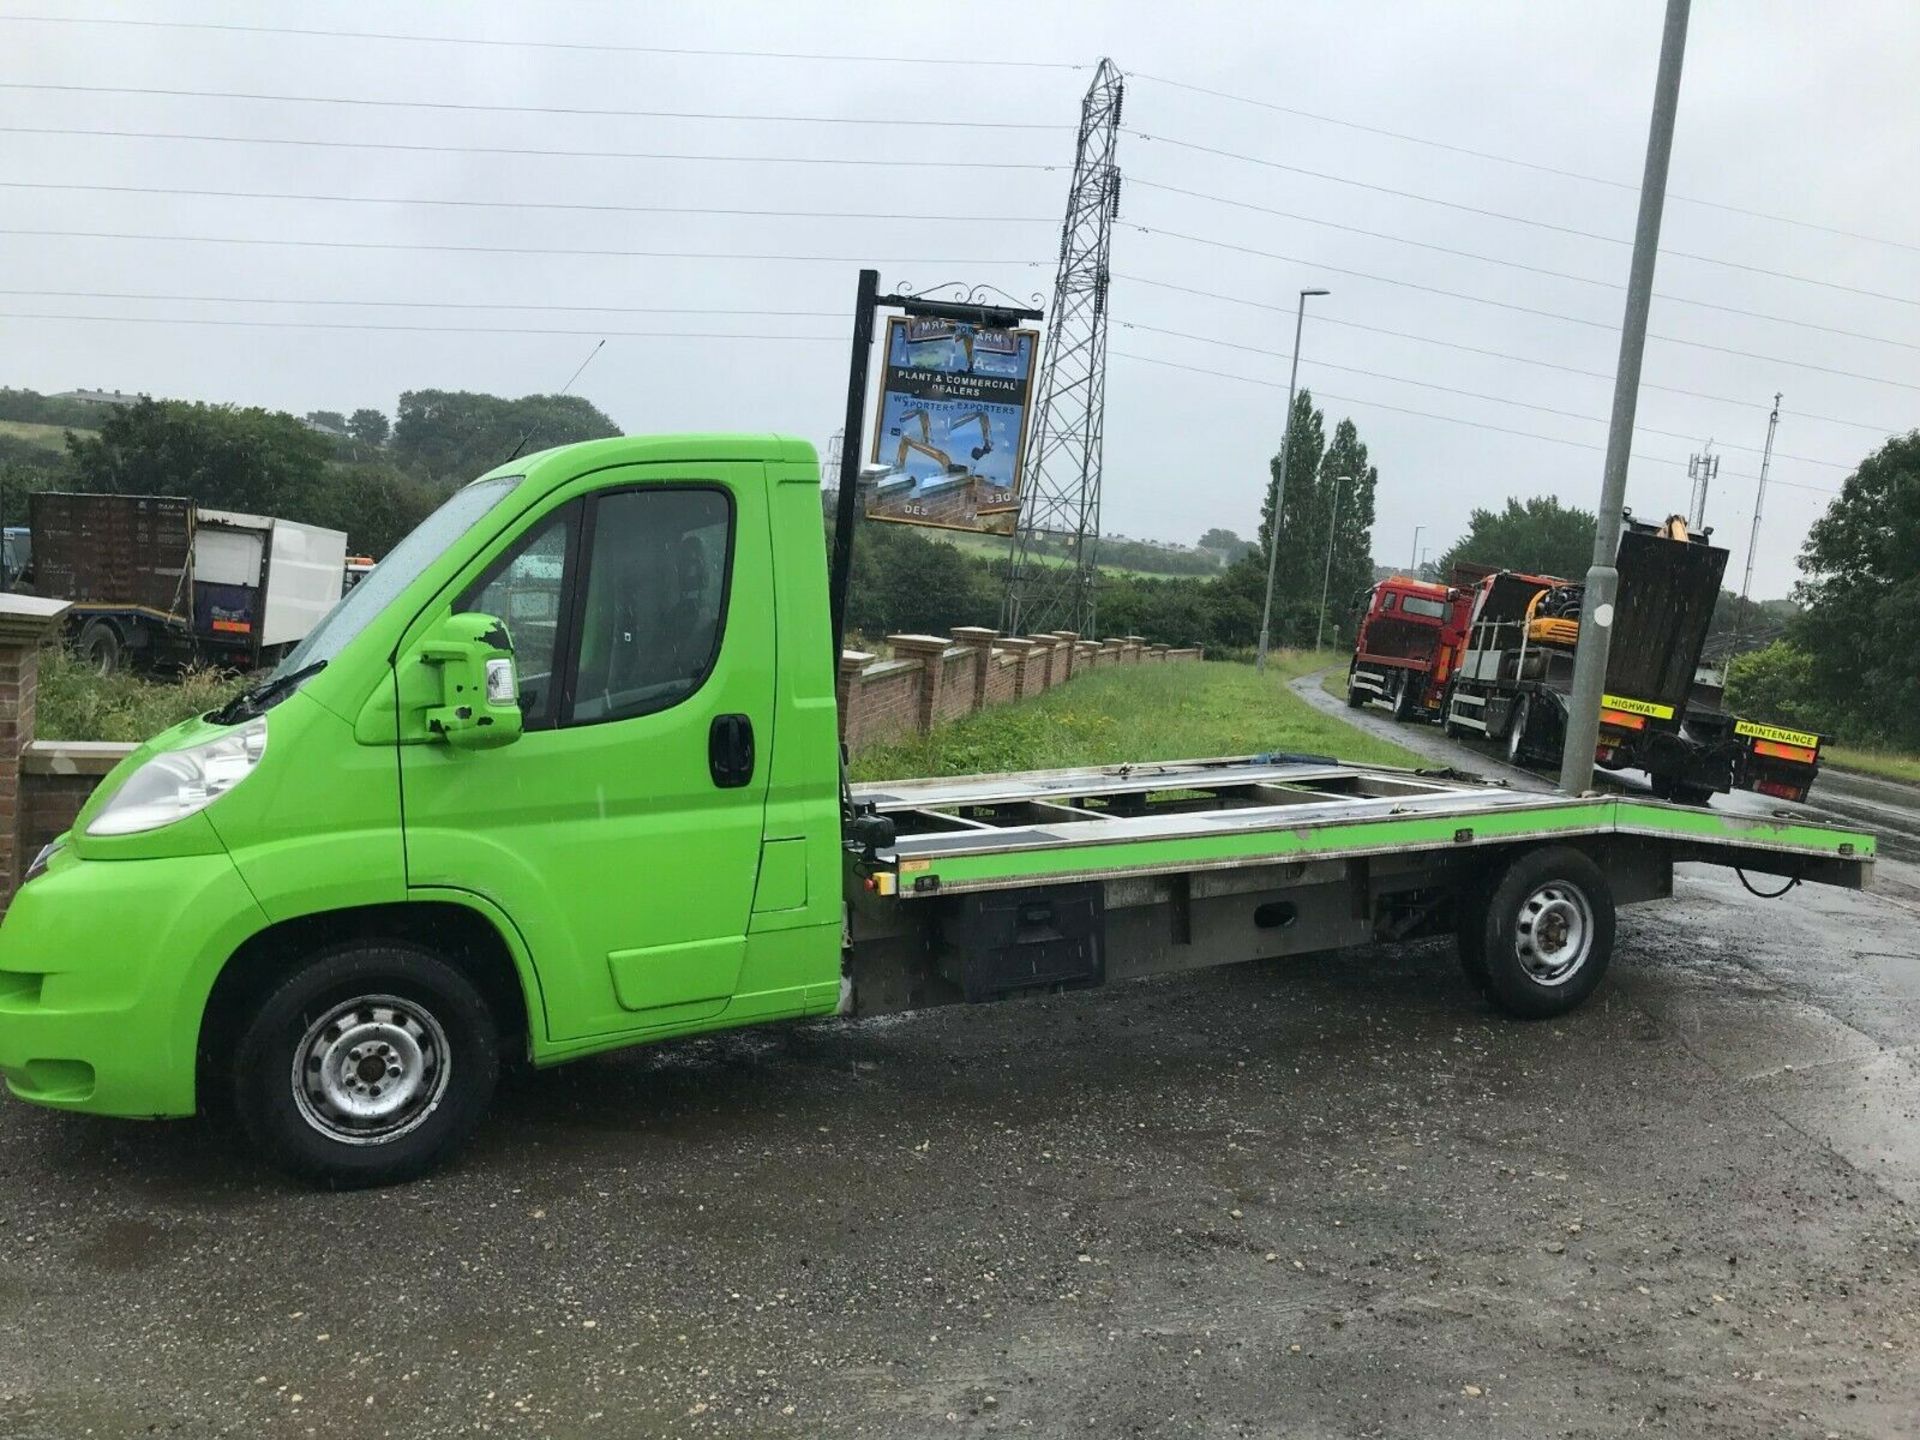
(1636,707)
(1777,734)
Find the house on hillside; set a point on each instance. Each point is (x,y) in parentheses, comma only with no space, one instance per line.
(96,397)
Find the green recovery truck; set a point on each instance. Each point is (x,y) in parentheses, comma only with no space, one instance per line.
(562,774)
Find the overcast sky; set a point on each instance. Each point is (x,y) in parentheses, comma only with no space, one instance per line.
(1804,112)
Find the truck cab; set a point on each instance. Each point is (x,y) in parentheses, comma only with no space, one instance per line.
(1406,646)
(567,756)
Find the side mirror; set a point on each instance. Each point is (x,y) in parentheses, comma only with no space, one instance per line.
(479,705)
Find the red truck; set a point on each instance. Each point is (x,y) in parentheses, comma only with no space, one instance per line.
(1410,638)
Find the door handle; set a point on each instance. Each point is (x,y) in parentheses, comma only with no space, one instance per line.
(730,751)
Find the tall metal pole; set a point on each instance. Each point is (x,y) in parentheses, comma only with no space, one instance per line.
(1603,579)
(1753,540)
(1279,487)
(846,511)
(1413,560)
(1326,577)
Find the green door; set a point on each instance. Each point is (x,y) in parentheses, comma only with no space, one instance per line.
(620,835)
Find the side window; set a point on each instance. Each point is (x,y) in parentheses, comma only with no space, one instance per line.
(655,606)
(524,588)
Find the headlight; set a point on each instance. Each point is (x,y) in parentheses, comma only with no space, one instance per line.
(173,786)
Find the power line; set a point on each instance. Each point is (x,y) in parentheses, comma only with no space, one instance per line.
(838,339)
(1325,319)
(514,204)
(513,249)
(533,152)
(1430,415)
(1533,165)
(757,312)
(1134,182)
(1528,309)
(1466,394)
(1672,299)
(592,47)
(468,106)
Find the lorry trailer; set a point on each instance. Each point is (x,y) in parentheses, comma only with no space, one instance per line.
(1514,675)
(155,580)
(430,844)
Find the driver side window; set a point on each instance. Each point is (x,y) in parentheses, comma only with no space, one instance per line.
(655,606)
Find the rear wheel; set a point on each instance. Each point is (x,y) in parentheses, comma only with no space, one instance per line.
(1517,730)
(1537,935)
(367,1065)
(100,647)
(1681,793)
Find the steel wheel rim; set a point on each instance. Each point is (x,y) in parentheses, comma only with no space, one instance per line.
(371,1069)
(1553,934)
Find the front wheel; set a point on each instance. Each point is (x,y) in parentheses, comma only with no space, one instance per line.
(1403,699)
(1355,698)
(366,1066)
(1536,936)
(100,647)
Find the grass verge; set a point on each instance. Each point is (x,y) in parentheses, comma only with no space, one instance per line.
(1138,712)
(74,703)
(1887,764)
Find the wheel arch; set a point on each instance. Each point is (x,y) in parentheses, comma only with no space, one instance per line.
(461,928)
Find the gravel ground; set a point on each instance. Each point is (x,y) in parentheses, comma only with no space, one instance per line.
(1332,1197)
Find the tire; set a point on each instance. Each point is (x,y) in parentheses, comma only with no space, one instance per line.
(1517,730)
(1684,794)
(100,647)
(307,1085)
(1537,934)
(1355,698)
(1403,699)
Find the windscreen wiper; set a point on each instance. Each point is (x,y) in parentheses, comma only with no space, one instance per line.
(249,703)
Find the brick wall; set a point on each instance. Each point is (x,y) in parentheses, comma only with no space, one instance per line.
(933,679)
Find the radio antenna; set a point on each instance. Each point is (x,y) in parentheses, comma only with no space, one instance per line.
(598,347)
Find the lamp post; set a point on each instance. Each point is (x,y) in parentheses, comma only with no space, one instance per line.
(1279,487)
(1327,575)
(1413,560)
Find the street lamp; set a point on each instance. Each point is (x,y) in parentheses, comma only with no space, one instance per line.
(1279,489)
(1327,576)
(1414,560)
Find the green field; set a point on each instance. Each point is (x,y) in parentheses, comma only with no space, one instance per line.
(1138,712)
(47,437)
(1887,764)
(994,548)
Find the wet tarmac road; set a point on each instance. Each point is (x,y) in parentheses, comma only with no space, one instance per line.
(1331,1197)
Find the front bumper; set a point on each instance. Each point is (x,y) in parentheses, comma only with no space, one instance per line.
(105,968)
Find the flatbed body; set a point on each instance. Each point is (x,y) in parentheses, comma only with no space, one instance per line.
(1191,863)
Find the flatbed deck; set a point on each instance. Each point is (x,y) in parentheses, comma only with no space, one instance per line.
(996,831)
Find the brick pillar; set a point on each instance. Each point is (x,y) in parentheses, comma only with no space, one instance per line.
(846,686)
(1026,660)
(1066,655)
(979,639)
(26,623)
(930,651)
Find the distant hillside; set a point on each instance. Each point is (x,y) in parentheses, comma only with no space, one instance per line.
(45,437)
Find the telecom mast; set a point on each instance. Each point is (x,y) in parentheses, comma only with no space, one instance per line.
(1702,470)
(1062,500)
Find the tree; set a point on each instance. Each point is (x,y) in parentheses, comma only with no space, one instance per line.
(369,428)
(1539,536)
(1862,598)
(259,460)
(375,504)
(454,435)
(1776,685)
(1345,494)
(1227,545)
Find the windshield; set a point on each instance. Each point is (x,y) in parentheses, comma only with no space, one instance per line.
(1420,605)
(424,544)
